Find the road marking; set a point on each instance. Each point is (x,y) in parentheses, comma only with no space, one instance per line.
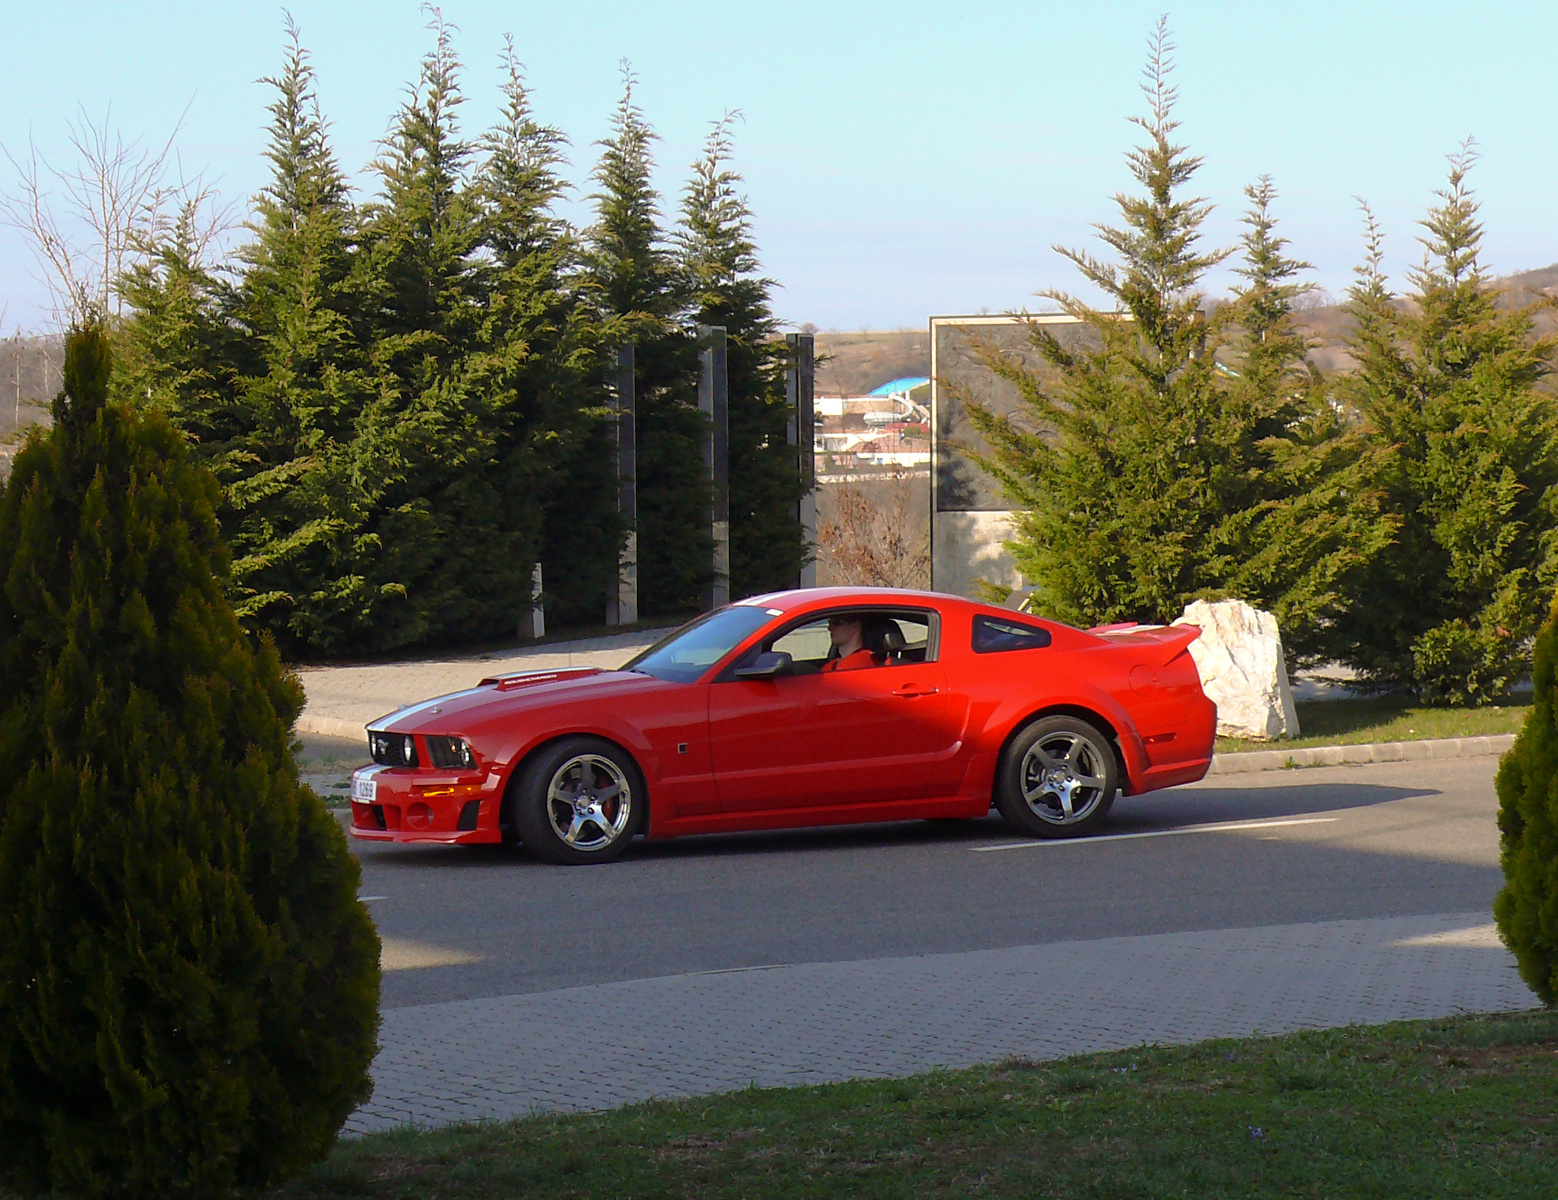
(371,899)
(1126,837)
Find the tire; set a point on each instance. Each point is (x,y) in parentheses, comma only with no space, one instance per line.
(1057,779)
(558,822)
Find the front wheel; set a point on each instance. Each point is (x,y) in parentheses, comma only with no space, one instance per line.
(1057,779)
(579,801)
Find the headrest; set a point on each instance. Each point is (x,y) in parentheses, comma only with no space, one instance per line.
(882,635)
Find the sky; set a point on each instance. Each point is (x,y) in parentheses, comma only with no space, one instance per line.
(901,160)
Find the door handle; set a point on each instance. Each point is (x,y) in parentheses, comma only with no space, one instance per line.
(910,690)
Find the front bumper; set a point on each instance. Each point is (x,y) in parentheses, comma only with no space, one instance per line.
(416,805)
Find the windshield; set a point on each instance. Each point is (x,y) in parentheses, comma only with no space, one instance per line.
(686,654)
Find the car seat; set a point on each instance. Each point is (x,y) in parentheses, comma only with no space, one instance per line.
(884,639)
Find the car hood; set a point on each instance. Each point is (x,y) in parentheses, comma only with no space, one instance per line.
(504,695)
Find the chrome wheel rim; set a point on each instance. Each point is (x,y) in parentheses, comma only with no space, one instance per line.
(1063,778)
(589,802)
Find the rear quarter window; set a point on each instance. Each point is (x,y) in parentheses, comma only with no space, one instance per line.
(993,635)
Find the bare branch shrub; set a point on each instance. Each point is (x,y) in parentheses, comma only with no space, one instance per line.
(87,223)
(883,543)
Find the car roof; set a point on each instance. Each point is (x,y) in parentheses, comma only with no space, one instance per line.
(799,599)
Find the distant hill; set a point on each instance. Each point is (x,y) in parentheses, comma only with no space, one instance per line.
(858,362)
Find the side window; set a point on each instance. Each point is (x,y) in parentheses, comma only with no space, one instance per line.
(995,634)
(807,645)
(894,637)
(908,637)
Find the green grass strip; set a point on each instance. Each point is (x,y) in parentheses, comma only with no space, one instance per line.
(1460,1107)
(1386,719)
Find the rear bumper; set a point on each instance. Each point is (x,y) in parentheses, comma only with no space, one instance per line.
(428,806)
(1172,774)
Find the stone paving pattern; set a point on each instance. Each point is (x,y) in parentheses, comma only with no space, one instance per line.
(606,1045)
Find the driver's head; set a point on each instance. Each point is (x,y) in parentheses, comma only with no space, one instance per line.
(847,632)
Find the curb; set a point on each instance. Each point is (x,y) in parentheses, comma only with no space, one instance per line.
(1377,752)
(352,731)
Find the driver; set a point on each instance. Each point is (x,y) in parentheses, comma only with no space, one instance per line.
(848,636)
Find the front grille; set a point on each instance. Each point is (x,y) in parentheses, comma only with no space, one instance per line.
(393,749)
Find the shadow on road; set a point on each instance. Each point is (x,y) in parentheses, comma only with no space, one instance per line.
(1166,810)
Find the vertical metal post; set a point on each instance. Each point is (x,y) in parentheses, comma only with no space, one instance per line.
(622,601)
(532,619)
(800,386)
(714,403)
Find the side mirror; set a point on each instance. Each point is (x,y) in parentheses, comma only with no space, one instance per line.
(768,665)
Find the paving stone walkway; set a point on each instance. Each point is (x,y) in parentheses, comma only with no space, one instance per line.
(612,1044)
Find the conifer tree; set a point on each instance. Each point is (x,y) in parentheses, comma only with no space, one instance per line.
(542,365)
(1466,457)
(432,556)
(1303,521)
(287,505)
(265,375)
(719,264)
(188,984)
(633,276)
(1117,504)
(1527,907)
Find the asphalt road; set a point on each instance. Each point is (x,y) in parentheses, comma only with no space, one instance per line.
(1320,844)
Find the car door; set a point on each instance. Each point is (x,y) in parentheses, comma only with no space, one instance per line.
(817,738)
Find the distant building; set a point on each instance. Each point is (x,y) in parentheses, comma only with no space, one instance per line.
(888,427)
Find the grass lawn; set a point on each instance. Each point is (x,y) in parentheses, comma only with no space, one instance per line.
(1461,1107)
(1387,719)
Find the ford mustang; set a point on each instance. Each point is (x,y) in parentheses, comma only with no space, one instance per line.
(821,706)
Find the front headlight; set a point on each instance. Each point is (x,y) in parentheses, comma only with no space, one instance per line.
(392,749)
(450,752)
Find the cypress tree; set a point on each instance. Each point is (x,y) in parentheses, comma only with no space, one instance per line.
(542,366)
(287,507)
(1527,907)
(633,276)
(1303,521)
(1466,458)
(1149,474)
(432,556)
(1124,463)
(265,374)
(719,263)
(188,984)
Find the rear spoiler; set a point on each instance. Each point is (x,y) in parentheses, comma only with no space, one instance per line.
(1174,639)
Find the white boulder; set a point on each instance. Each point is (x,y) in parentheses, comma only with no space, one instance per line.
(1239,657)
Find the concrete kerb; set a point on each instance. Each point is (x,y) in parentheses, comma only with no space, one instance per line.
(331,727)
(1374,752)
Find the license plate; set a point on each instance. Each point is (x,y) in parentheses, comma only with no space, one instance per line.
(364,791)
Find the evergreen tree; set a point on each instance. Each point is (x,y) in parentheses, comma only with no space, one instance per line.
(1303,521)
(1150,474)
(265,375)
(1527,907)
(287,505)
(719,263)
(188,984)
(543,366)
(633,276)
(433,556)
(1466,456)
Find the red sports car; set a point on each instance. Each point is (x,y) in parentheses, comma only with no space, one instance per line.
(825,706)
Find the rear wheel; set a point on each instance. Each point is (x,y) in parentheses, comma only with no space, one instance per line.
(1057,779)
(578,801)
